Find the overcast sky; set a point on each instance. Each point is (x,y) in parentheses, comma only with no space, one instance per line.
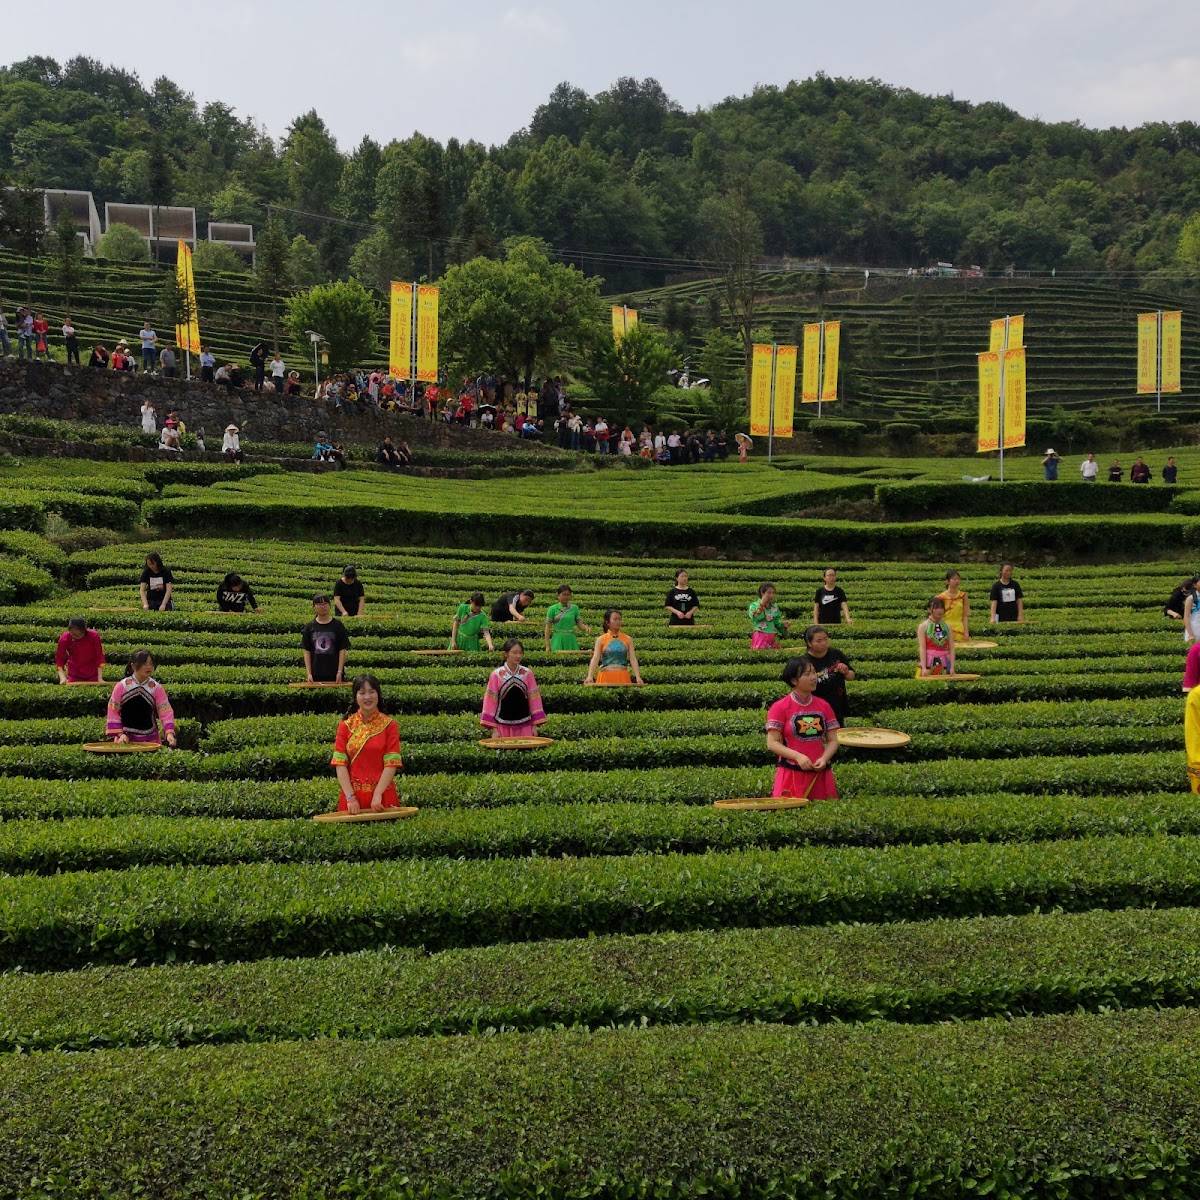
(476,69)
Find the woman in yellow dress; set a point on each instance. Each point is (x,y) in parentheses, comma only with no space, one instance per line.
(958,607)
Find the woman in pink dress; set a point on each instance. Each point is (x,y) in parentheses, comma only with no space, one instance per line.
(802,734)
(512,705)
(139,704)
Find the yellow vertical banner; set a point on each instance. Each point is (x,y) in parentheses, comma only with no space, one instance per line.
(810,383)
(187,334)
(989,402)
(400,341)
(427,332)
(1147,354)
(785,389)
(1016,333)
(760,389)
(1172,338)
(1014,398)
(623,320)
(829,371)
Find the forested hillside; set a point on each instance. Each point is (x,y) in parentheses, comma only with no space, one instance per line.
(623,182)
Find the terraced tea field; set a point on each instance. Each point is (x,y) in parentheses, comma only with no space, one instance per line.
(975,973)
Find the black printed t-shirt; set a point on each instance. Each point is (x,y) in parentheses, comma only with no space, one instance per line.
(156,585)
(229,600)
(685,600)
(500,609)
(325,642)
(829,603)
(350,594)
(1006,596)
(831,684)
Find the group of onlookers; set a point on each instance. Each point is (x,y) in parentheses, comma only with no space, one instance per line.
(1089,469)
(32,332)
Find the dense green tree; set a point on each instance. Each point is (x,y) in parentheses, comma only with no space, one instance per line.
(839,169)
(377,260)
(213,256)
(235,202)
(122,243)
(510,315)
(1189,243)
(160,182)
(356,186)
(567,113)
(344,313)
(23,222)
(304,264)
(271,267)
(67,253)
(625,372)
(734,244)
(314,168)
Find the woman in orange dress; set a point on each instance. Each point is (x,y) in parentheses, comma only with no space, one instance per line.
(614,661)
(366,751)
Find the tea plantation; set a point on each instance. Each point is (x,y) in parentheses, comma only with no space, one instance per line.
(569,975)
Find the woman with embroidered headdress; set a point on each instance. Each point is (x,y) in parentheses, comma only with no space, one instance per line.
(139,705)
(366,751)
(512,704)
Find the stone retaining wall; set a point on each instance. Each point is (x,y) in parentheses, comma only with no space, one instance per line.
(115,398)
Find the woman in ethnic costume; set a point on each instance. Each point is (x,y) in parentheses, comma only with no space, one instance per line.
(512,704)
(935,642)
(139,704)
(958,607)
(562,622)
(614,661)
(366,751)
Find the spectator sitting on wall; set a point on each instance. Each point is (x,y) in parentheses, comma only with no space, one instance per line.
(393,456)
(99,357)
(293,383)
(169,439)
(231,444)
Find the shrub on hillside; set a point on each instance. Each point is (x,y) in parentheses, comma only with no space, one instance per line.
(123,243)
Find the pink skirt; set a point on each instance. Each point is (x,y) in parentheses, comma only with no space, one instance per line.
(528,729)
(791,781)
(764,641)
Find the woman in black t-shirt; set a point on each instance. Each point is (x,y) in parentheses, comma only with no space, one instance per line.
(157,584)
(833,669)
(349,596)
(829,604)
(234,595)
(682,604)
(1007,599)
(511,606)
(1175,605)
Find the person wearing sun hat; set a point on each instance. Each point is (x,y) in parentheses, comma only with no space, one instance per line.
(231,444)
(1050,465)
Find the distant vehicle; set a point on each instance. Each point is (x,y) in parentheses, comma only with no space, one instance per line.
(974,271)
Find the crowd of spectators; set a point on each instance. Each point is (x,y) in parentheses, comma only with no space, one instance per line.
(541,412)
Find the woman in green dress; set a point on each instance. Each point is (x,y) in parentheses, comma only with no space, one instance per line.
(562,620)
(470,625)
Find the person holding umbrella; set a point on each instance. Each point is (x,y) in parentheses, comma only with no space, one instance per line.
(744,445)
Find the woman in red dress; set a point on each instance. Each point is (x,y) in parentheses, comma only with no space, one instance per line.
(366,752)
